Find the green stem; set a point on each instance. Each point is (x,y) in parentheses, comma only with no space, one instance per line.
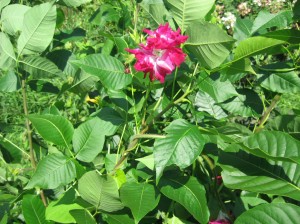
(266,114)
(29,136)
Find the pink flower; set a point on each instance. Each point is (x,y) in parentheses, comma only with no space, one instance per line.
(161,54)
(219,221)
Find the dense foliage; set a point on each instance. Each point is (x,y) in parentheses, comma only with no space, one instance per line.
(149,111)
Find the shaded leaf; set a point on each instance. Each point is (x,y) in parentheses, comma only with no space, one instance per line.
(119,219)
(75,3)
(9,82)
(286,123)
(7,54)
(189,193)
(242,29)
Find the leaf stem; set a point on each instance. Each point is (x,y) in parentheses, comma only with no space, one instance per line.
(29,135)
(266,114)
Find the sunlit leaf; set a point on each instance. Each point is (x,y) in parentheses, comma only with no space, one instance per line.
(34,210)
(53,171)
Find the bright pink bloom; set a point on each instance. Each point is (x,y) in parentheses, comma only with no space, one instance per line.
(161,54)
(219,221)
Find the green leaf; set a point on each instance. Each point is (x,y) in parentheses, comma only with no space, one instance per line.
(288,82)
(88,140)
(100,191)
(9,82)
(141,198)
(212,88)
(33,209)
(188,192)
(12,18)
(108,69)
(274,145)
(274,213)
(38,29)
(106,13)
(182,145)
(83,216)
(39,67)
(119,219)
(53,171)
(246,104)
(156,11)
(247,172)
(110,120)
(204,102)
(209,43)
(3,3)
(242,29)
(14,151)
(7,54)
(288,35)
(75,3)
(285,123)
(53,128)
(266,20)
(187,11)
(60,210)
(238,68)
(296,11)
(148,161)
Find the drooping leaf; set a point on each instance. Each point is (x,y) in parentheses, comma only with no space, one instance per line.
(288,82)
(7,54)
(239,69)
(75,3)
(187,11)
(83,216)
(182,145)
(100,191)
(53,171)
(266,20)
(88,140)
(141,198)
(274,145)
(275,213)
(212,88)
(108,69)
(53,128)
(290,36)
(12,18)
(209,43)
(39,67)
(33,210)
(105,13)
(189,193)
(204,102)
(247,172)
(60,210)
(9,82)
(38,29)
